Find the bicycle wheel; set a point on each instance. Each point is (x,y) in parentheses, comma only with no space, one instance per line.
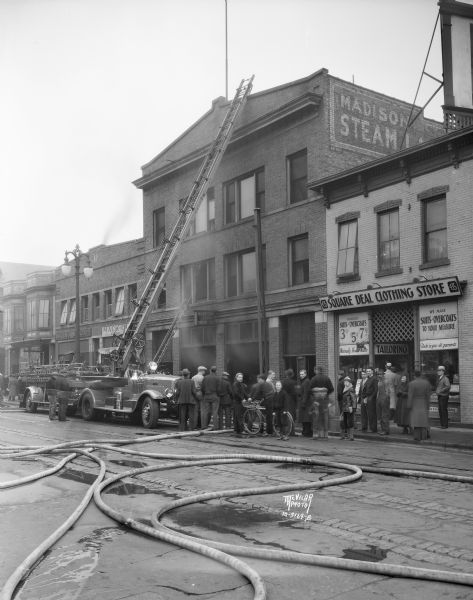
(252,421)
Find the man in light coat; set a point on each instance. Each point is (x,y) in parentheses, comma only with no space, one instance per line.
(443,391)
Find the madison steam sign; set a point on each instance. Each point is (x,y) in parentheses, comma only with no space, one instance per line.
(362,120)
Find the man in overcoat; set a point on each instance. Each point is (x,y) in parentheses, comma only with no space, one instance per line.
(370,394)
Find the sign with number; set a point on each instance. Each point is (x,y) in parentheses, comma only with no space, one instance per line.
(353,334)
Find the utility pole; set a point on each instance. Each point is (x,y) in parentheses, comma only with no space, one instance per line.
(262,326)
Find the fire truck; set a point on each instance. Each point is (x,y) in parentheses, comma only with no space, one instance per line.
(145,397)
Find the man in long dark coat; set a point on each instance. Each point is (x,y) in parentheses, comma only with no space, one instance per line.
(370,393)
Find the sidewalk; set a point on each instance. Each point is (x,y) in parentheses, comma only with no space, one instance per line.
(455,437)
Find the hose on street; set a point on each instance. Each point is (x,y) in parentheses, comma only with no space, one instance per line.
(222,552)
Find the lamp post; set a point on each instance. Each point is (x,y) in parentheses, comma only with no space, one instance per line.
(66,269)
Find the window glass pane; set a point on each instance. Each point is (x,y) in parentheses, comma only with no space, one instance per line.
(186,284)
(341,263)
(72,314)
(211,278)
(200,281)
(43,320)
(63,313)
(394,224)
(232,279)
(248,272)
(247,197)
(120,301)
(352,230)
(300,249)
(343,236)
(230,203)
(201,217)
(211,210)
(158,226)
(437,245)
(298,177)
(384,227)
(436,214)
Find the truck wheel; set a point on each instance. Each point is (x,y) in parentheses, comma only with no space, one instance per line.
(149,413)
(87,407)
(30,406)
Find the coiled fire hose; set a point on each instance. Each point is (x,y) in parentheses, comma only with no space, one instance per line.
(216,550)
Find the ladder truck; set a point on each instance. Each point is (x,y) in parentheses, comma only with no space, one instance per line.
(147,397)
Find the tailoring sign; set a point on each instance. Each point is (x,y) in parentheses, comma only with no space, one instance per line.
(362,120)
(353,334)
(438,326)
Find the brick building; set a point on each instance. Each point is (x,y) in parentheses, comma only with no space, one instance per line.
(285,136)
(399,266)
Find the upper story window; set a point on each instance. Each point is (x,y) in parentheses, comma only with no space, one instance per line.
(63,319)
(198,281)
(435,229)
(347,263)
(43,313)
(72,313)
(240,273)
(299,259)
(297,176)
(243,195)
(159,227)
(204,218)
(84,308)
(95,306)
(108,306)
(388,240)
(119,301)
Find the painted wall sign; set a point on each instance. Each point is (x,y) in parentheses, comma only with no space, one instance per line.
(353,334)
(410,292)
(438,326)
(398,349)
(365,121)
(110,330)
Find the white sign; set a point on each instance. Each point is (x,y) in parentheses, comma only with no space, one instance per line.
(353,334)
(352,350)
(409,292)
(438,326)
(110,330)
(446,344)
(400,349)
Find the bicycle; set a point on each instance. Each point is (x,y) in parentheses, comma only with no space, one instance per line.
(285,426)
(253,417)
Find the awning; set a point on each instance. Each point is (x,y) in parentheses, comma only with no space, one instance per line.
(107,350)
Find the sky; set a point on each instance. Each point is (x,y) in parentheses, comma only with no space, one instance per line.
(94,89)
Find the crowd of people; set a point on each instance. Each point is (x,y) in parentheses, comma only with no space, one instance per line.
(209,401)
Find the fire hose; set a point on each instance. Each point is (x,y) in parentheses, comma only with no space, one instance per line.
(222,552)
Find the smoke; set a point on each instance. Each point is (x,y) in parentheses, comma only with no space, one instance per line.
(120,220)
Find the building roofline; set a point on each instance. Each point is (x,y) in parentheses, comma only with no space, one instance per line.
(403,165)
(451,7)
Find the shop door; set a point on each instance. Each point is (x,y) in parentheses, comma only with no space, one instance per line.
(393,339)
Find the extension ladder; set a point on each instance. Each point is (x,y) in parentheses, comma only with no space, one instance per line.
(132,338)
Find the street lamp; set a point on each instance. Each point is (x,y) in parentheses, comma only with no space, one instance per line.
(66,269)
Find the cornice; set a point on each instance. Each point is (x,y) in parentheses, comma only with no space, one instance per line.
(308,102)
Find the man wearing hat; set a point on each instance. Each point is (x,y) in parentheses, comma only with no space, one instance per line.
(443,391)
(225,408)
(197,379)
(186,399)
